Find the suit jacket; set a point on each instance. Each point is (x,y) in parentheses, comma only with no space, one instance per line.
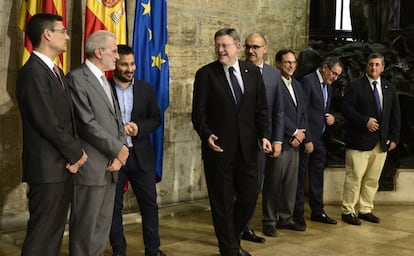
(359,105)
(315,108)
(99,126)
(146,114)
(294,115)
(49,135)
(273,84)
(215,112)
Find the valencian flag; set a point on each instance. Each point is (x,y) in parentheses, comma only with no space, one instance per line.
(150,47)
(106,15)
(32,7)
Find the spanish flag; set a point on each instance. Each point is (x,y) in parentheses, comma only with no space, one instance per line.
(106,15)
(32,7)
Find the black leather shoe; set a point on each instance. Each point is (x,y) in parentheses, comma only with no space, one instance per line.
(299,220)
(160,253)
(243,252)
(270,230)
(351,219)
(292,226)
(252,237)
(369,217)
(322,218)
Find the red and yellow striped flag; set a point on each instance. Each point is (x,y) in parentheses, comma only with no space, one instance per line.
(106,15)
(30,8)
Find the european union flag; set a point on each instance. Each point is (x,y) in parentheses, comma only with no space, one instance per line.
(150,44)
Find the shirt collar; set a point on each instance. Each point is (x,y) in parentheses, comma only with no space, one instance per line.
(45,59)
(94,69)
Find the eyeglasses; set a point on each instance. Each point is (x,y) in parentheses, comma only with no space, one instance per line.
(254,47)
(334,73)
(63,30)
(224,46)
(289,63)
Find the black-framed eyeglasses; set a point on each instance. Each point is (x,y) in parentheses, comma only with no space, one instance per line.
(254,46)
(289,63)
(334,73)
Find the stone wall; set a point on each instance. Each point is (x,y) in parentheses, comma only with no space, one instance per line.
(191,24)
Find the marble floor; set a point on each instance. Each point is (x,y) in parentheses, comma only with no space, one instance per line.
(186,230)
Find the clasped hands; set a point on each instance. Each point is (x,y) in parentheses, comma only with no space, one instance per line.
(119,160)
(73,168)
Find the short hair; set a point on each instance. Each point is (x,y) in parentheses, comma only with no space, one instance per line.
(281,53)
(124,49)
(260,34)
(38,23)
(332,61)
(96,40)
(376,55)
(229,32)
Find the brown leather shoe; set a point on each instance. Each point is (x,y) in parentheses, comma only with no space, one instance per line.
(369,217)
(351,219)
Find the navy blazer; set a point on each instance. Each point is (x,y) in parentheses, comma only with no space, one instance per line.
(294,115)
(146,114)
(359,105)
(215,112)
(315,108)
(49,134)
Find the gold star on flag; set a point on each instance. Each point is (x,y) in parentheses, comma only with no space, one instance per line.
(150,34)
(147,8)
(157,61)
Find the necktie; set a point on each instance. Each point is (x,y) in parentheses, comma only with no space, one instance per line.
(377,98)
(291,91)
(107,89)
(325,95)
(57,72)
(235,85)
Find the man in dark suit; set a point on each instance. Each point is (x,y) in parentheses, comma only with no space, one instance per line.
(101,131)
(51,149)
(318,94)
(230,114)
(255,49)
(141,116)
(372,113)
(279,187)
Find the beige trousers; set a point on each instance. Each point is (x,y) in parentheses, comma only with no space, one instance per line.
(363,170)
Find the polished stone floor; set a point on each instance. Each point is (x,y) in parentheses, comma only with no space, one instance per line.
(186,230)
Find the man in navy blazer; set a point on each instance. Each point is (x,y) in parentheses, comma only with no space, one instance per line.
(281,174)
(230,114)
(373,121)
(140,116)
(51,147)
(255,48)
(318,94)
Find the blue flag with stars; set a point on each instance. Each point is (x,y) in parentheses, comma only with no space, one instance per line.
(150,46)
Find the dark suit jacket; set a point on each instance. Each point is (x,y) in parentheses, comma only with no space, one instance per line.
(294,116)
(99,126)
(315,106)
(273,84)
(215,112)
(146,114)
(49,135)
(359,105)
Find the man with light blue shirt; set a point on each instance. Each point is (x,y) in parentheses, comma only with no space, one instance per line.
(140,116)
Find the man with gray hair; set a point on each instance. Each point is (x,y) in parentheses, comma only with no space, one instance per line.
(101,132)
